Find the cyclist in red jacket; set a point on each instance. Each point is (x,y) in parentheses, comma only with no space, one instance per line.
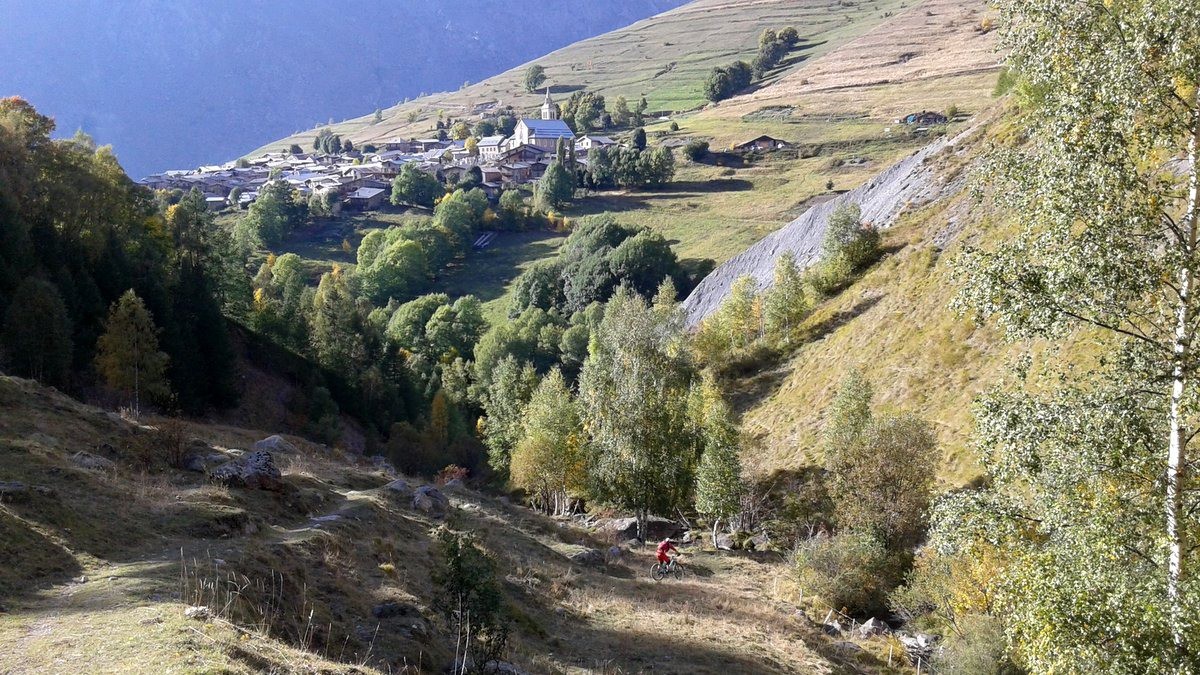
(664,546)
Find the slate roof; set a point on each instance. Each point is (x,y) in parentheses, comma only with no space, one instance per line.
(548,128)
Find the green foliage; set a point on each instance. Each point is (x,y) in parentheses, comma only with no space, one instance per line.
(327,142)
(735,326)
(629,167)
(460,131)
(724,82)
(535,75)
(639,138)
(512,384)
(548,461)
(719,486)
(600,255)
(851,570)
(785,303)
(127,353)
(415,187)
(337,331)
(696,150)
(621,116)
(583,111)
(273,216)
(979,649)
(555,188)
(1089,491)
(389,265)
(469,595)
(37,333)
(634,392)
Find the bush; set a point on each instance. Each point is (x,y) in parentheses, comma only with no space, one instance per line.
(849,570)
(696,150)
(979,649)
(674,126)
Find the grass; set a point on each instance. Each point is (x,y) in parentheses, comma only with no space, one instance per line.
(488,274)
(293,594)
(664,58)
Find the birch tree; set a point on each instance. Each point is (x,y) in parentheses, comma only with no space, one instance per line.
(1091,485)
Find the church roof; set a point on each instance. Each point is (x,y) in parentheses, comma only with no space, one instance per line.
(548,128)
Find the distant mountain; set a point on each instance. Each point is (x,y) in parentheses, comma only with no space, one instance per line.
(185,83)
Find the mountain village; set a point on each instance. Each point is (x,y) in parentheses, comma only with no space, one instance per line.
(362,178)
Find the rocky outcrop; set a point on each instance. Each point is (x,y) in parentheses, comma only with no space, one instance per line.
(92,462)
(626,528)
(589,557)
(255,471)
(909,183)
(276,444)
(429,499)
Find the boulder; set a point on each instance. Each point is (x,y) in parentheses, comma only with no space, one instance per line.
(873,626)
(14,492)
(591,557)
(199,613)
(87,460)
(203,462)
(454,484)
(614,554)
(833,628)
(656,528)
(429,499)
(759,542)
(255,471)
(276,444)
(400,487)
(725,541)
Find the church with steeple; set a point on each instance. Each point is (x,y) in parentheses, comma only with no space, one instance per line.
(542,133)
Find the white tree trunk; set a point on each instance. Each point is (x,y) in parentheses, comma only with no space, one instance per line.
(1177,446)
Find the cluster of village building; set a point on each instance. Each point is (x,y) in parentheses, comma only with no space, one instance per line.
(363,180)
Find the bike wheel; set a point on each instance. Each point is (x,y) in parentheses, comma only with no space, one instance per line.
(657,572)
(678,572)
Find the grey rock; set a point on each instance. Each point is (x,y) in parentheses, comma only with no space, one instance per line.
(847,647)
(14,492)
(384,465)
(454,484)
(725,541)
(399,486)
(590,557)
(873,626)
(614,554)
(656,527)
(92,462)
(204,462)
(832,628)
(429,499)
(255,471)
(759,542)
(199,613)
(275,444)
(331,518)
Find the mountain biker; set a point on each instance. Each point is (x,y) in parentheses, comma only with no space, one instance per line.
(664,546)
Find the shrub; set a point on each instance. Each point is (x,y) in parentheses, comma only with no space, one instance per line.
(451,472)
(849,570)
(979,649)
(674,126)
(696,150)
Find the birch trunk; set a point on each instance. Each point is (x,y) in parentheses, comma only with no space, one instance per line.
(1181,352)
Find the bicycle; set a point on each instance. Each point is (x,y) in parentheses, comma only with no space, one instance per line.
(659,571)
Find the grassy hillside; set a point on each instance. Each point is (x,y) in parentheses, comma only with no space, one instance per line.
(895,324)
(104,551)
(664,58)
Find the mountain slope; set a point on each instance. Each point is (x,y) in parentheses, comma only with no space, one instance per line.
(105,547)
(664,58)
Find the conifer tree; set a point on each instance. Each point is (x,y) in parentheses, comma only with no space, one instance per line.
(127,355)
(37,333)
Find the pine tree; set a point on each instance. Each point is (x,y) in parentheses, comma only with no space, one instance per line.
(37,333)
(127,355)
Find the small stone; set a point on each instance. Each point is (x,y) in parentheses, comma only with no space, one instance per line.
(198,613)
